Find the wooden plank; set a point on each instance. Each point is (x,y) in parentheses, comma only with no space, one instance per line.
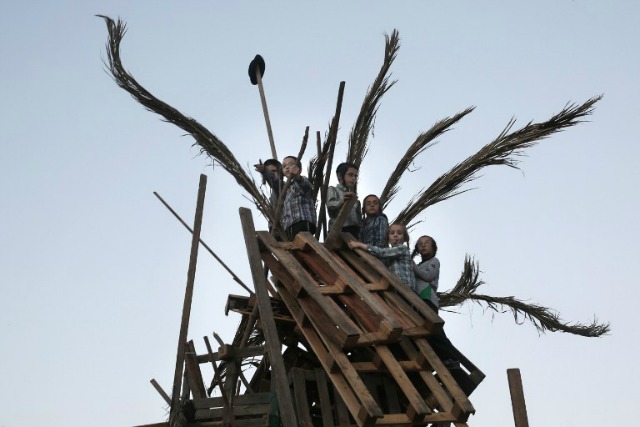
(324,322)
(194,375)
(418,408)
(445,376)
(334,239)
(240,353)
(300,395)
(517,398)
(238,411)
(341,410)
(241,399)
(188,296)
(344,378)
(325,399)
(432,383)
(273,345)
(159,389)
(387,320)
(303,280)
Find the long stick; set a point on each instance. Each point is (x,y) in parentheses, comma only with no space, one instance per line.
(517,398)
(188,295)
(233,275)
(333,135)
(263,99)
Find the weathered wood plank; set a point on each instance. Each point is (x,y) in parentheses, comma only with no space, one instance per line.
(273,345)
(517,398)
(194,375)
(188,296)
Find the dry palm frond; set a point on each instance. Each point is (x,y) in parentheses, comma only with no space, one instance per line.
(500,151)
(207,141)
(543,318)
(366,118)
(424,141)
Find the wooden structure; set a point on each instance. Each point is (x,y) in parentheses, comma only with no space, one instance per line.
(345,344)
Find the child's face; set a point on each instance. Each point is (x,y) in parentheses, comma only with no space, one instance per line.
(396,235)
(371,206)
(290,167)
(425,246)
(350,178)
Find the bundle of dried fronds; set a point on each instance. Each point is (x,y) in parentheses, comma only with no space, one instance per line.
(366,118)
(543,318)
(500,151)
(207,141)
(422,142)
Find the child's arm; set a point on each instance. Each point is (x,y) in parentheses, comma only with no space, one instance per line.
(393,252)
(334,202)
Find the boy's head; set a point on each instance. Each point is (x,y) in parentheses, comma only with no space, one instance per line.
(273,166)
(371,205)
(347,175)
(398,234)
(291,166)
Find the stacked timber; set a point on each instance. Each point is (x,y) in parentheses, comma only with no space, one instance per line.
(345,343)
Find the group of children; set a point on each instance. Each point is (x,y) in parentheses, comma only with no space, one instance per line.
(367,223)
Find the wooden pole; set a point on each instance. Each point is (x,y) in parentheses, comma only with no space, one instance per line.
(272,342)
(233,275)
(188,296)
(517,398)
(159,389)
(333,240)
(331,140)
(263,99)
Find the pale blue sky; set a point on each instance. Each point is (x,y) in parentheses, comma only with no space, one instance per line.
(93,268)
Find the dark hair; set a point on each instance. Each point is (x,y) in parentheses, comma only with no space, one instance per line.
(273,162)
(344,167)
(298,162)
(364,202)
(433,241)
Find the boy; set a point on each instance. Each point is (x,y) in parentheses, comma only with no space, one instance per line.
(299,210)
(271,174)
(346,189)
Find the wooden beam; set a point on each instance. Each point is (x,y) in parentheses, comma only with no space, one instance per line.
(272,343)
(159,389)
(334,239)
(517,398)
(188,296)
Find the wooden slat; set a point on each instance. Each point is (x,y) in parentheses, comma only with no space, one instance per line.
(418,407)
(273,345)
(302,280)
(517,398)
(188,296)
(194,374)
(300,395)
(325,399)
(345,379)
(238,411)
(242,399)
(450,383)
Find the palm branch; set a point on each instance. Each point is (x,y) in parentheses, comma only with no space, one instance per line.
(501,151)
(207,141)
(422,142)
(543,318)
(366,118)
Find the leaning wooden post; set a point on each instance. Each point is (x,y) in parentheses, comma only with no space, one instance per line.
(331,141)
(272,343)
(333,240)
(188,295)
(517,398)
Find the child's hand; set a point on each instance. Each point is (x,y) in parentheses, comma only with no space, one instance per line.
(259,167)
(356,245)
(348,195)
